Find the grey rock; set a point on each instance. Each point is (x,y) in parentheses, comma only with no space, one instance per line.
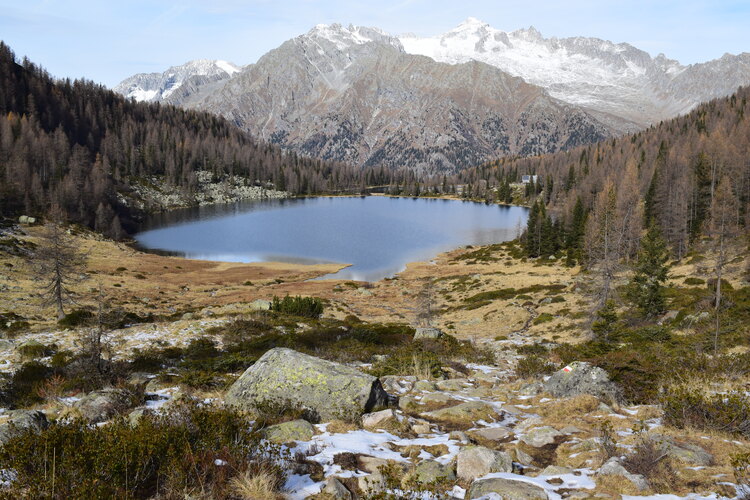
(453,384)
(499,434)
(260,305)
(135,416)
(613,467)
(541,436)
(582,378)
(394,384)
(378,419)
(427,333)
(25,219)
(328,390)
(139,379)
(531,389)
(336,490)
(555,470)
(508,489)
(436,397)
(430,471)
(20,421)
(684,452)
(99,406)
(464,413)
(424,385)
(523,457)
(477,461)
(295,430)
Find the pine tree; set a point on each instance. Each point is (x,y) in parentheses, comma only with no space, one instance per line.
(605,326)
(576,231)
(651,272)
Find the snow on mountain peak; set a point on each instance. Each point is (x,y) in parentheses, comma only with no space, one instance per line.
(343,37)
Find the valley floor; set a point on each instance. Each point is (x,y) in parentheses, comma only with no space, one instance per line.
(490,296)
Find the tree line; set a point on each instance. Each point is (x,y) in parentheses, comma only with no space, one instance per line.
(79,146)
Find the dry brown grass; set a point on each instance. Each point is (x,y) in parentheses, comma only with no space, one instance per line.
(258,485)
(616,485)
(340,427)
(560,411)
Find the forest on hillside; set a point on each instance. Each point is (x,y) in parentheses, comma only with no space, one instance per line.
(79,146)
(669,174)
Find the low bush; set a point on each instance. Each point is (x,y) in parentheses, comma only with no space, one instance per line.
(534,366)
(198,448)
(649,460)
(77,317)
(543,318)
(307,307)
(690,407)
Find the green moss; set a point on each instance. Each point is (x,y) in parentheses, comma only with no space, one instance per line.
(543,318)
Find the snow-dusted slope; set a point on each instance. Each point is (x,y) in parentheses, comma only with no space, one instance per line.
(160,86)
(606,77)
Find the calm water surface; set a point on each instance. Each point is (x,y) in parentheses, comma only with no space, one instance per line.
(375,234)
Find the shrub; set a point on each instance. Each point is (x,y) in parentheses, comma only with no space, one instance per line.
(691,281)
(308,307)
(11,324)
(77,317)
(741,466)
(25,382)
(543,318)
(688,407)
(191,447)
(648,459)
(35,350)
(533,366)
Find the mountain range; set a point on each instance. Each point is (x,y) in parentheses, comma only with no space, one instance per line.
(361,96)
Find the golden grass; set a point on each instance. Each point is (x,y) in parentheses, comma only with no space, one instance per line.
(560,411)
(260,485)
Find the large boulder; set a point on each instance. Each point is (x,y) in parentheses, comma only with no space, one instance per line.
(327,390)
(99,406)
(508,489)
(583,378)
(427,333)
(21,420)
(431,471)
(477,461)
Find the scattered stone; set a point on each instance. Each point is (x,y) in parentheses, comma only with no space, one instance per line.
(509,489)
(459,436)
(531,389)
(139,379)
(260,305)
(421,428)
(684,452)
(328,390)
(135,416)
(477,461)
(335,490)
(25,219)
(498,434)
(582,378)
(378,419)
(436,398)
(430,471)
(453,384)
(427,333)
(424,385)
(614,468)
(556,470)
(20,420)
(296,430)
(541,436)
(464,413)
(407,403)
(394,384)
(523,457)
(99,406)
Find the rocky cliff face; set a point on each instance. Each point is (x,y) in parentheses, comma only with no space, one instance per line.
(353,94)
(608,79)
(364,97)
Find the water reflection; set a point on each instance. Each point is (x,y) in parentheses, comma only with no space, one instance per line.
(376,235)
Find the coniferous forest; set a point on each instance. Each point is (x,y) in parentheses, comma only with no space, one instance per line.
(77,145)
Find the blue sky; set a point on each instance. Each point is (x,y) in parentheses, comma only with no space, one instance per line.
(106,41)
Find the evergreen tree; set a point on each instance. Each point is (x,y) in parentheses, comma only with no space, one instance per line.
(651,272)
(576,231)
(605,326)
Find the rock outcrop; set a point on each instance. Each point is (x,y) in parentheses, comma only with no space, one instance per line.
(327,390)
(583,378)
(20,421)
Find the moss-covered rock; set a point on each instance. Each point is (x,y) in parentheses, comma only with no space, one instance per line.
(324,389)
(296,430)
